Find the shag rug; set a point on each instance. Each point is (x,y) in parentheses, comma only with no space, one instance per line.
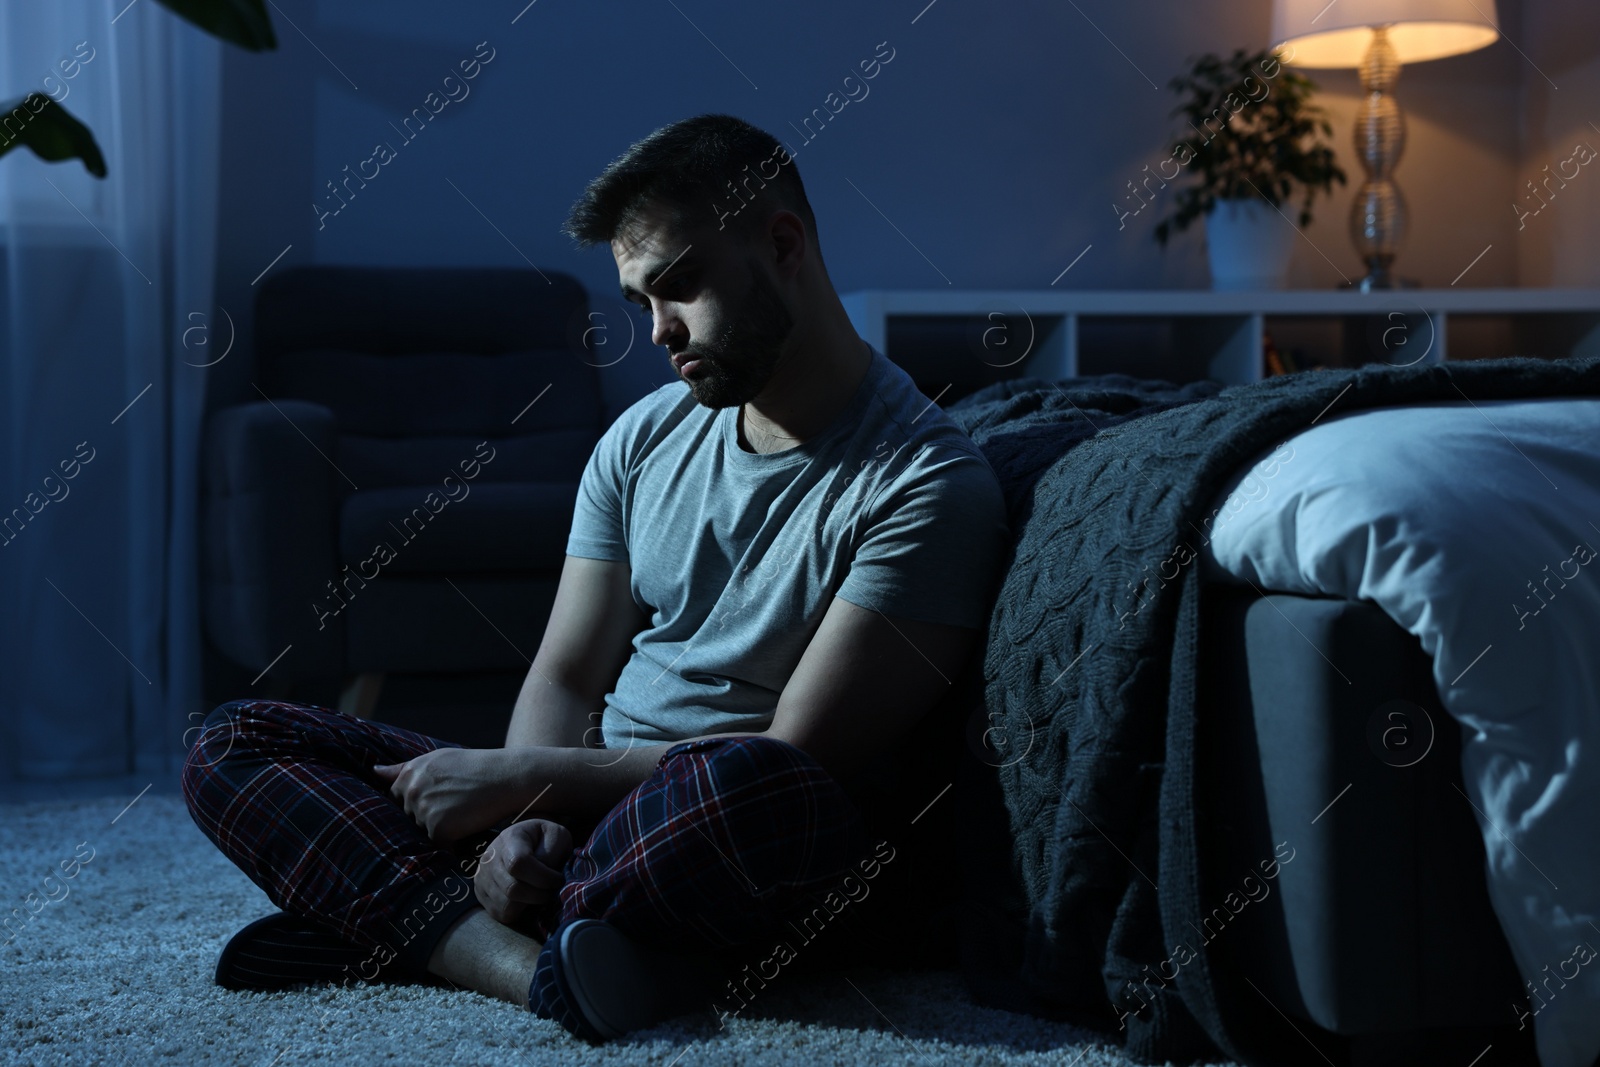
(133,905)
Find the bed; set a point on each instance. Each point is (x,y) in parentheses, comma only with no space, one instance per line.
(1268,788)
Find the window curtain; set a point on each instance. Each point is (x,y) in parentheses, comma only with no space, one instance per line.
(106,324)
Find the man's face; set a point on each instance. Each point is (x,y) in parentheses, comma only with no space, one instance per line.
(715,309)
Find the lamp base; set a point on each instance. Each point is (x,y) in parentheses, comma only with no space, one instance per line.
(1380,275)
(1378,211)
(1377,282)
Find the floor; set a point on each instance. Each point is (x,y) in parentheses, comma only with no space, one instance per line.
(111,963)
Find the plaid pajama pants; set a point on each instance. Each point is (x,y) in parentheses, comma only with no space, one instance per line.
(729,841)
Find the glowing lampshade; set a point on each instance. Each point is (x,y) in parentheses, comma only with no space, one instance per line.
(1337,34)
(1379,37)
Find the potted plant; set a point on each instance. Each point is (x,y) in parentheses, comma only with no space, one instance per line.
(1252,147)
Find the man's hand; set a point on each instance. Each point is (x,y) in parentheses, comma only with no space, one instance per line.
(522,868)
(452,792)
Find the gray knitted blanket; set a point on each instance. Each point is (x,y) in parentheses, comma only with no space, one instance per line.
(1089,664)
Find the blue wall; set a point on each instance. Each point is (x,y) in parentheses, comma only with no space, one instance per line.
(987,153)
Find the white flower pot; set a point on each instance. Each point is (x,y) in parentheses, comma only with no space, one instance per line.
(1248,244)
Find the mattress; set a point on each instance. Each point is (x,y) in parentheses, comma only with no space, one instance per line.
(1476,527)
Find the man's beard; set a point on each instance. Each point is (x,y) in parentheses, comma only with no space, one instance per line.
(736,365)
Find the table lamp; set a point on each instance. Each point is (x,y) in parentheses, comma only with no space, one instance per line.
(1377,36)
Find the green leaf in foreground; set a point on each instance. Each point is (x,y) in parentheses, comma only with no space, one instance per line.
(50,130)
(241,22)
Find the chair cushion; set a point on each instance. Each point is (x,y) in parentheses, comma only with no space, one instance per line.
(483,621)
(471,526)
(402,462)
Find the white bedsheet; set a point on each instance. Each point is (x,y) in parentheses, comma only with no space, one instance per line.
(1476,528)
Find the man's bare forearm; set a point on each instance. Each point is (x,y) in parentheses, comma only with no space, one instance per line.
(553,761)
(585,781)
(551,713)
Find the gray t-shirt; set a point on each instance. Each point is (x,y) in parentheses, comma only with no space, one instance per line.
(735,556)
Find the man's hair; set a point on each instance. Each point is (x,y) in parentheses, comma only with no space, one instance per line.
(707,168)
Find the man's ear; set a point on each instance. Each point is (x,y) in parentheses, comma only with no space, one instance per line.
(789,243)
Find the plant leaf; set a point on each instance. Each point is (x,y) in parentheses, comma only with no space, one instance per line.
(1266,148)
(241,22)
(50,130)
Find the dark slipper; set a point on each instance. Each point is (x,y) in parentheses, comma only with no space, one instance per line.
(283,950)
(599,984)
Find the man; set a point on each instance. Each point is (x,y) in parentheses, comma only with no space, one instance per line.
(776,567)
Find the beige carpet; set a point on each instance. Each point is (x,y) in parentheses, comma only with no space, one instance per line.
(117,969)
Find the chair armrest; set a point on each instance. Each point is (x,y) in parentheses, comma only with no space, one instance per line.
(270,514)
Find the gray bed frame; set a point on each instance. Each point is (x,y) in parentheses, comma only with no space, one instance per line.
(1320,727)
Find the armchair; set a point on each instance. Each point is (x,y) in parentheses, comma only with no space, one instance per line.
(397,495)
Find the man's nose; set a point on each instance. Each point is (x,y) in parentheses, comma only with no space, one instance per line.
(668,327)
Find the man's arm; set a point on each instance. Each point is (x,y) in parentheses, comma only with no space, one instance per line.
(585,645)
(865,680)
(545,767)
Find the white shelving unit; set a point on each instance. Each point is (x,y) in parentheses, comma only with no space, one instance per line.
(977,336)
